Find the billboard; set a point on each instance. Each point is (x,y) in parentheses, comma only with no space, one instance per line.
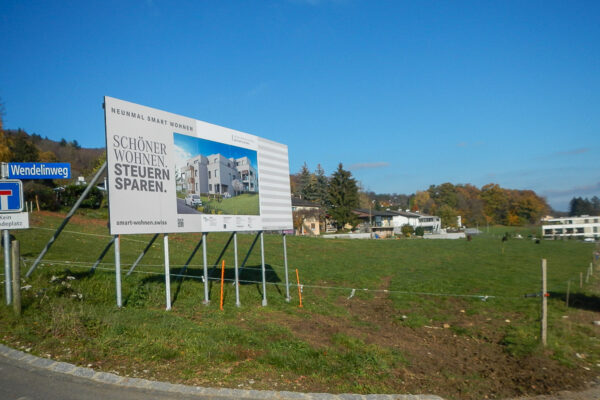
(168,173)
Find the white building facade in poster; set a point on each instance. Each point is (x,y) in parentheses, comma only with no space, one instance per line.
(168,173)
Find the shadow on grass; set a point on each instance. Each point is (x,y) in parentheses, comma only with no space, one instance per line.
(249,275)
(579,300)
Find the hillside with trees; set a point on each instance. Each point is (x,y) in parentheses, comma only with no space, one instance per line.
(19,146)
(490,204)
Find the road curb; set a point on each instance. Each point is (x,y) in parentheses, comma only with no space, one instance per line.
(113,379)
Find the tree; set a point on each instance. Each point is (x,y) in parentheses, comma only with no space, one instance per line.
(343,197)
(496,204)
(448,216)
(407,230)
(321,185)
(422,202)
(23,149)
(307,184)
(5,152)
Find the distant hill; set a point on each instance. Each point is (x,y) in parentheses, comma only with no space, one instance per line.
(33,148)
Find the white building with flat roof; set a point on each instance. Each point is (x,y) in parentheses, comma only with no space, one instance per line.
(581,227)
(216,174)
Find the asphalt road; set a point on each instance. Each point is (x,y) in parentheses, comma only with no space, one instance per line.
(20,381)
(182,208)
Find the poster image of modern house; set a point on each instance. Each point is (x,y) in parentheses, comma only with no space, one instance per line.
(215,174)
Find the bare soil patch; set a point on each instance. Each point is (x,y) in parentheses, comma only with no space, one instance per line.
(441,361)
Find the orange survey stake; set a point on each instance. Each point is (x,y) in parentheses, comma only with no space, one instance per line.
(299,289)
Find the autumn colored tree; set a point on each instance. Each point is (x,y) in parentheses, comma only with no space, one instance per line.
(423,203)
(496,204)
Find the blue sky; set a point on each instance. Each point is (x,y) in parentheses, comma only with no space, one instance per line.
(187,147)
(404,94)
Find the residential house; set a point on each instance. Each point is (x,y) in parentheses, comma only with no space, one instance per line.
(582,227)
(306,215)
(380,223)
(429,223)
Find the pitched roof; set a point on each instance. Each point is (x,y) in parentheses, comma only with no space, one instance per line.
(298,202)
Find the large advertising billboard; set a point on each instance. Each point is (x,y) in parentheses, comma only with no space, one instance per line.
(168,173)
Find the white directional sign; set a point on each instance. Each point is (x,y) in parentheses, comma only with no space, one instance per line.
(19,220)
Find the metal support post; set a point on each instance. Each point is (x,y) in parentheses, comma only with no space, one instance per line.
(250,250)
(206,299)
(167,272)
(112,240)
(285,265)
(237,272)
(264,274)
(118,270)
(7,274)
(136,262)
(16,277)
(216,263)
(66,220)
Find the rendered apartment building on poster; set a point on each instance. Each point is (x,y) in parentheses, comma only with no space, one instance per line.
(216,174)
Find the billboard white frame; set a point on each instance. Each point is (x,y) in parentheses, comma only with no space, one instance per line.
(149,152)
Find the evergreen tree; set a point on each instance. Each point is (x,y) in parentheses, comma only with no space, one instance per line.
(23,149)
(307,184)
(343,197)
(5,152)
(321,186)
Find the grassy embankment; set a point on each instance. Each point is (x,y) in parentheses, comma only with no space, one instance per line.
(335,343)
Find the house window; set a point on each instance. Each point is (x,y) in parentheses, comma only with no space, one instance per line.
(208,174)
(210,187)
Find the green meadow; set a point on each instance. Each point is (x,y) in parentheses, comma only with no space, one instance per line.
(447,317)
(243,204)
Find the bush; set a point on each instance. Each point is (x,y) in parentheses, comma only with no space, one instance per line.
(407,230)
(73,192)
(419,231)
(46,197)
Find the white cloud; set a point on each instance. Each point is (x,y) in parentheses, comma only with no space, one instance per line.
(381,164)
(181,156)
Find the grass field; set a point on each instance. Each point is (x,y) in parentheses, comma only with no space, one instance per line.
(379,316)
(243,204)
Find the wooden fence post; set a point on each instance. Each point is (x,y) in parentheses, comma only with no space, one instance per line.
(544,303)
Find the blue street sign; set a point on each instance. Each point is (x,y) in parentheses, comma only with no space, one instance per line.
(39,170)
(11,196)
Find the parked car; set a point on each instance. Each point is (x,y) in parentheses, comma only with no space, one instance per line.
(193,200)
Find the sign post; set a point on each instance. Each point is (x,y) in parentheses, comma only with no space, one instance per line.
(11,205)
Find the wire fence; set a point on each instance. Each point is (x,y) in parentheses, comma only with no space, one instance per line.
(143,269)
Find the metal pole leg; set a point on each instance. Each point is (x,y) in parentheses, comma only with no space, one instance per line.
(142,255)
(285,264)
(7,274)
(237,272)
(206,299)
(118,270)
(264,274)
(167,272)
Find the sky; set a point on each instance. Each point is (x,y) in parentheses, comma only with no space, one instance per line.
(405,94)
(187,147)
